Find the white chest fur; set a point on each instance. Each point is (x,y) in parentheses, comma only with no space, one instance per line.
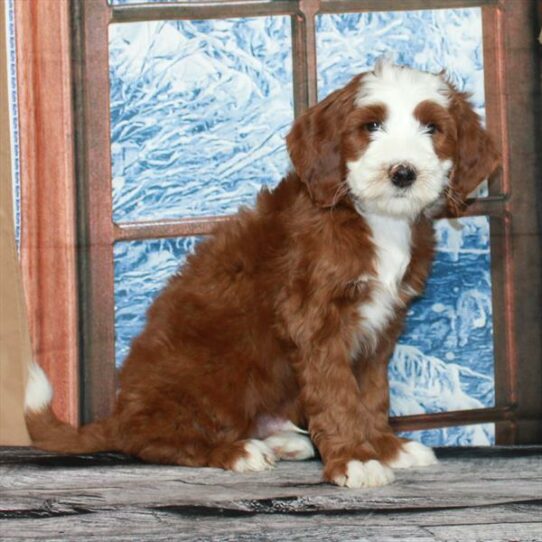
(392,241)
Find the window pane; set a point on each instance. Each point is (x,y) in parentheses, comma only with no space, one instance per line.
(142,269)
(465,435)
(199,111)
(161,106)
(444,360)
(430,40)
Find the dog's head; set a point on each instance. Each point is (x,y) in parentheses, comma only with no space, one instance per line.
(394,141)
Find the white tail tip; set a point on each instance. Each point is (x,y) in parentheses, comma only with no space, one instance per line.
(39,393)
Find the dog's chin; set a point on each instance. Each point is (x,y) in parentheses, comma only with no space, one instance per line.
(377,196)
(400,205)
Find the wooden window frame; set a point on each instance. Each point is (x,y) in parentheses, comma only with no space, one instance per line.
(513,111)
(48,240)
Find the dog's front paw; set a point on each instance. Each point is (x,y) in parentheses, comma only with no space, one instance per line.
(413,454)
(356,474)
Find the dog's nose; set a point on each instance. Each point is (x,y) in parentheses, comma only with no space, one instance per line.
(402,175)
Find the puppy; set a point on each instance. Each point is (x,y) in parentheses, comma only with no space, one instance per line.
(285,318)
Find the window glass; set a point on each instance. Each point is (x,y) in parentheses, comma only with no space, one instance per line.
(142,269)
(429,40)
(444,360)
(465,435)
(199,111)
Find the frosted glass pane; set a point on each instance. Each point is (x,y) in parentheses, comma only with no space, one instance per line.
(445,357)
(199,111)
(444,360)
(430,40)
(142,269)
(465,435)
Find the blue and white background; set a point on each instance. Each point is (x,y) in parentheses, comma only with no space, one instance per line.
(199,111)
(9,7)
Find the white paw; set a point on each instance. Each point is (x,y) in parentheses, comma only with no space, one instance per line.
(258,457)
(292,446)
(365,474)
(413,454)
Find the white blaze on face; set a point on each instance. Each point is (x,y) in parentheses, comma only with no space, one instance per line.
(402,139)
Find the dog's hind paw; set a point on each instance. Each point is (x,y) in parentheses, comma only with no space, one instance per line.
(257,456)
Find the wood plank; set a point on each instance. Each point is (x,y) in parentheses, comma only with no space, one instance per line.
(358,6)
(482,494)
(524,285)
(121,13)
(48,232)
(158,229)
(96,272)
(297,486)
(194,524)
(494,20)
(498,531)
(146,525)
(450,419)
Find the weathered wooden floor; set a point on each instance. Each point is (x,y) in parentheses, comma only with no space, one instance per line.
(473,494)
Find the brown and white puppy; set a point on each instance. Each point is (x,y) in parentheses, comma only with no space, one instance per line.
(286,317)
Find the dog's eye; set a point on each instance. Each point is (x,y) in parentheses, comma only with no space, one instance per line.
(372,126)
(431,128)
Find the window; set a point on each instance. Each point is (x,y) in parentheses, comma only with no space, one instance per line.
(131,224)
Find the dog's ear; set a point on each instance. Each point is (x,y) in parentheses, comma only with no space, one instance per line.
(476,155)
(314,145)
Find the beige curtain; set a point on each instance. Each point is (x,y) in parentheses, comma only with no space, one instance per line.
(15,349)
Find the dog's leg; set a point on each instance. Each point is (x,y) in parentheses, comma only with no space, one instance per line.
(183,432)
(339,423)
(251,455)
(372,376)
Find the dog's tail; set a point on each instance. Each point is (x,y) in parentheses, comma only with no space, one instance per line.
(51,434)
